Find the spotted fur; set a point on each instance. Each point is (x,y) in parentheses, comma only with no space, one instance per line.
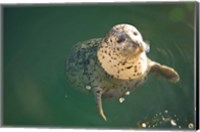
(113,66)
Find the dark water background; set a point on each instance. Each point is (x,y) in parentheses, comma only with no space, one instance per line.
(37,39)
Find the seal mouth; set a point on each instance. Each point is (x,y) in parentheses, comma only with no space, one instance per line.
(132,49)
(135,45)
(139,45)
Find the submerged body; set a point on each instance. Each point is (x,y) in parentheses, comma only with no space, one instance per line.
(114,65)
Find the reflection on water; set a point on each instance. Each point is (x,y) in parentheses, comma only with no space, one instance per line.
(166,119)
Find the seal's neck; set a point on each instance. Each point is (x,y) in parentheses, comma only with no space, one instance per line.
(120,67)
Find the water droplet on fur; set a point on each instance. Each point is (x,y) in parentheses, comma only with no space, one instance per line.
(127,93)
(121,100)
(88,87)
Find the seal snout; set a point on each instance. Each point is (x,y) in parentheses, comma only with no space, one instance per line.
(136,44)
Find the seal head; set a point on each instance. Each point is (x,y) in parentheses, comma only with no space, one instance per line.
(122,53)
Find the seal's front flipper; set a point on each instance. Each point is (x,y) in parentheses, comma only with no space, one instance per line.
(98,94)
(167,72)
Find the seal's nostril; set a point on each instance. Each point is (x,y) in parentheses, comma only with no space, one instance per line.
(121,38)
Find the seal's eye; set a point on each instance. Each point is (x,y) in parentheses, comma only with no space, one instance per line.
(121,38)
(135,33)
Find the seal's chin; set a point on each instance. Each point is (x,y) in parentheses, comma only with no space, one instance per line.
(129,52)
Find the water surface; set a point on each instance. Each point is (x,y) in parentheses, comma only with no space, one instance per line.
(37,40)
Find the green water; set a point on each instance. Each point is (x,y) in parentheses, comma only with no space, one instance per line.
(37,39)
